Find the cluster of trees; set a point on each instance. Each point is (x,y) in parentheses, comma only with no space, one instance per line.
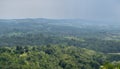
(100,45)
(49,57)
(113,65)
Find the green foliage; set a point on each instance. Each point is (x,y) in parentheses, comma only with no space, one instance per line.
(95,36)
(54,44)
(113,65)
(100,45)
(48,57)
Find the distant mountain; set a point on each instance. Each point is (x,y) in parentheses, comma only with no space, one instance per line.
(55,25)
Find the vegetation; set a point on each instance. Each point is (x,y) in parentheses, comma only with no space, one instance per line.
(59,44)
(100,45)
(49,57)
(113,65)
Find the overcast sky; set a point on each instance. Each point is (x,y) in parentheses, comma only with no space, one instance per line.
(77,9)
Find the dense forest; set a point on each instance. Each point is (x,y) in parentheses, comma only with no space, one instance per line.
(49,57)
(59,44)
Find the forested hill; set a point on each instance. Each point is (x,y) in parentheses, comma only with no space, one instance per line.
(98,36)
(59,44)
(61,27)
(100,45)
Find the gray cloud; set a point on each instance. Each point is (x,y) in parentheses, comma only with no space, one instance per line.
(80,9)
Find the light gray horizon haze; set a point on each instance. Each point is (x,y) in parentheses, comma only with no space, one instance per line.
(104,10)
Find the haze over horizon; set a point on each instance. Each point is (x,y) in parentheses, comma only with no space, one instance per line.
(103,10)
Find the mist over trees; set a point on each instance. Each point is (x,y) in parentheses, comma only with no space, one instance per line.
(59,44)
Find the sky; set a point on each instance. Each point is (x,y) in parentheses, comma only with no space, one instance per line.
(61,9)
